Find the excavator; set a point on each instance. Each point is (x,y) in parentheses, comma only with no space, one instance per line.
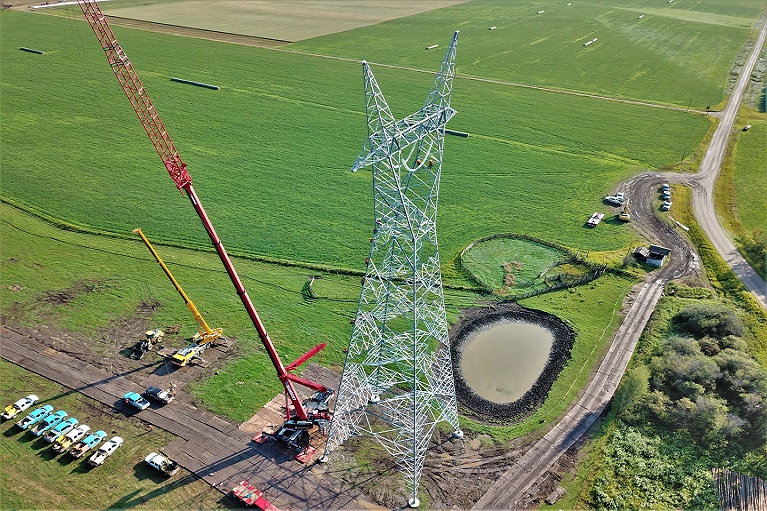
(205,336)
(625,215)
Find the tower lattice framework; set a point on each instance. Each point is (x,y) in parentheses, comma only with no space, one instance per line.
(397,382)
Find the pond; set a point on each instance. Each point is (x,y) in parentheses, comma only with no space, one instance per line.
(505,360)
(502,360)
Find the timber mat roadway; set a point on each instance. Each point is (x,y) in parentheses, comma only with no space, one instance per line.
(513,489)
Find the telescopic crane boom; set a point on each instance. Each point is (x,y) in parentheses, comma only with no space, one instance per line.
(205,336)
(296,412)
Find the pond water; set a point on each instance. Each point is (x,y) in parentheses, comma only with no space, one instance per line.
(502,360)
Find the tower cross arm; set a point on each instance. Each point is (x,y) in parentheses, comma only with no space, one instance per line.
(403,133)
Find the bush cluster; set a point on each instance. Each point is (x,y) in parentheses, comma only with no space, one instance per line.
(707,383)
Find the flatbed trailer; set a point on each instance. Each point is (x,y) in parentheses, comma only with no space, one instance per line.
(595,219)
(252,497)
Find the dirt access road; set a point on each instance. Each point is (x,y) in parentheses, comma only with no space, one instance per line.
(703,182)
(515,489)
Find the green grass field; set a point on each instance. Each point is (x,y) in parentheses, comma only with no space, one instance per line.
(677,53)
(41,258)
(269,153)
(744,169)
(491,260)
(276,19)
(751,173)
(34,477)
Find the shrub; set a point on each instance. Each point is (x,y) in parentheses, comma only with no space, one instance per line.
(712,320)
(632,389)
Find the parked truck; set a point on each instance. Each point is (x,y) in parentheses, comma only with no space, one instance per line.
(87,443)
(35,416)
(19,406)
(162,463)
(106,450)
(49,422)
(63,443)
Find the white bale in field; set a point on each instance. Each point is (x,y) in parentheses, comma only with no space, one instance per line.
(540,12)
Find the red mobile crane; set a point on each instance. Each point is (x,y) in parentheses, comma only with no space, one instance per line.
(300,416)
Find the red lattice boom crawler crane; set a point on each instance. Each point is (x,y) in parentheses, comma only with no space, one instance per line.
(300,416)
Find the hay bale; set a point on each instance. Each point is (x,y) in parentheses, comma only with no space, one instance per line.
(432,46)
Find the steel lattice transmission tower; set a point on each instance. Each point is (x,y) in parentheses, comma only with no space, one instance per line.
(397,382)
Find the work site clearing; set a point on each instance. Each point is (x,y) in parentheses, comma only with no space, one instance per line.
(269,460)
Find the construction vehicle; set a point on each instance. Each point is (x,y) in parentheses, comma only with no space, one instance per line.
(301,415)
(63,443)
(206,336)
(252,497)
(625,215)
(145,345)
(88,443)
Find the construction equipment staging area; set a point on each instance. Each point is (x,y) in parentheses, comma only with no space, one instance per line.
(388,385)
(300,416)
(214,449)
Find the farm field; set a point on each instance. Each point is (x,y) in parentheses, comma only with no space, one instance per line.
(751,173)
(274,19)
(269,152)
(34,477)
(677,53)
(107,280)
(97,286)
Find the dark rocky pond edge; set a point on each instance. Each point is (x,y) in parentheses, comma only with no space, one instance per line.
(472,404)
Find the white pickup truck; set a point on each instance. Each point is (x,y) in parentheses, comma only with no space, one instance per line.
(162,463)
(616,200)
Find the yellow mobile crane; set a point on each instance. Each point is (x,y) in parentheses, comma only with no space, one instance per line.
(205,336)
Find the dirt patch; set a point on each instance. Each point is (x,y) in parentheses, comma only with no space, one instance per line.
(455,475)
(109,350)
(65,296)
(507,413)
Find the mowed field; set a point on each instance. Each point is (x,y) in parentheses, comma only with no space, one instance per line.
(269,153)
(285,20)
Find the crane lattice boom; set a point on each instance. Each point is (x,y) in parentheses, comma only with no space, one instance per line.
(150,120)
